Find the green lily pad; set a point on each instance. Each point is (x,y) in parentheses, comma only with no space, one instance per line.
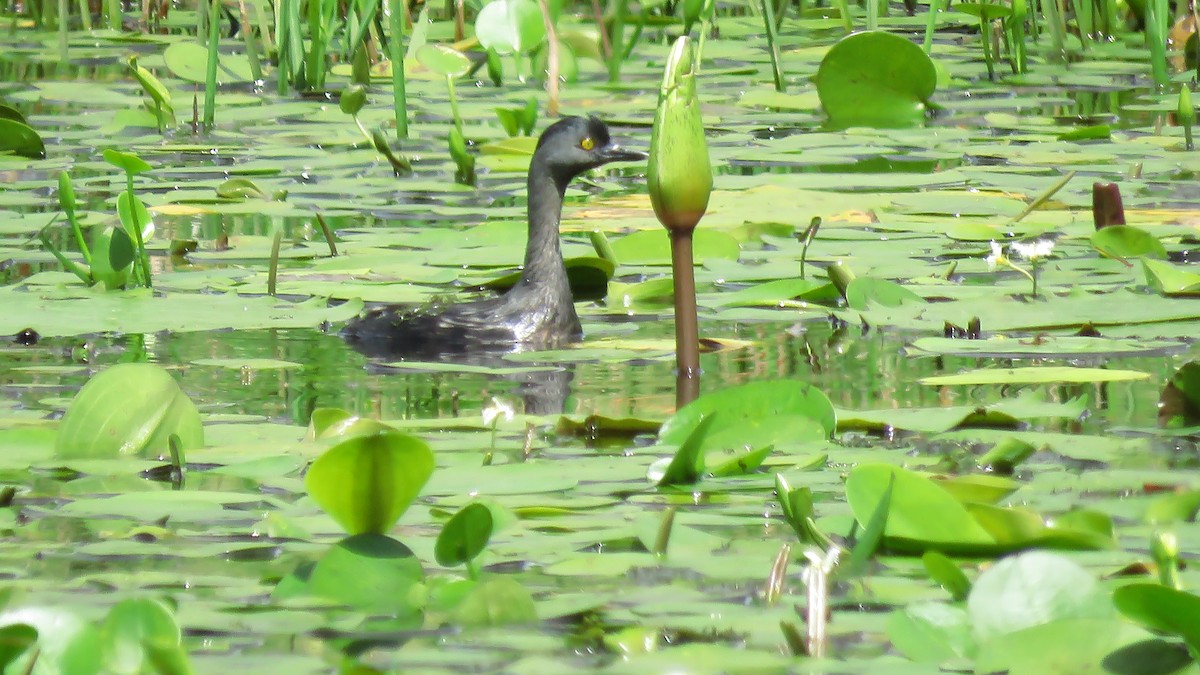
(1035,375)
(130,409)
(188,61)
(913,498)
(755,415)
(1125,241)
(1169,279)
(1163,609)
(367,482)
(875,79)
(20,139)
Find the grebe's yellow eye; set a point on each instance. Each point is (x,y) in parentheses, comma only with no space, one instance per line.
(587,143)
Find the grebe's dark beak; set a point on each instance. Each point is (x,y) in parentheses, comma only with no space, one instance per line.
(615,153)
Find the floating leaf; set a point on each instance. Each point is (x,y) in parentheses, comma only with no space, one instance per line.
(913,498)
(130,409)
(444,60)
(1126,241)
(1168,279)
(755,415)
(1163,609)
(687,464)
(1036,375)
(497,601)
(875,79)
(370,572)
(861,292)
(188,60)
(20,139)
(509,26)
(464,536)
(367,482)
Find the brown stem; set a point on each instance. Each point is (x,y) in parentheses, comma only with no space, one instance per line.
(605,44)
(687,334)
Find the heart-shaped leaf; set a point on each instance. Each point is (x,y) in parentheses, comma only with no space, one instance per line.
(367,482)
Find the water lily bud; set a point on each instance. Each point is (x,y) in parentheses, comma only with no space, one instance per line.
(679,176)
(1185,113)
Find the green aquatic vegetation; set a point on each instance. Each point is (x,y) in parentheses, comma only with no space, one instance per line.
(593,552)
(875,79)
(366,482)
(17,137)
(680,183)
(129,410)
(1035,252)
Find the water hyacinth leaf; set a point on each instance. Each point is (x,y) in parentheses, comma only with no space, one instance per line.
(130,409)
(875,79)
(1168,279)
(1035,375)
(679,174)
(369,572)
(20,139)
(464,536)
(497,601)
(187,60)
(444,60)
(1126,241)
(367,482)
(947,574)
(755,414)
(913,497)
(861,292)
(510,26)
(1162,609)
(1030,589)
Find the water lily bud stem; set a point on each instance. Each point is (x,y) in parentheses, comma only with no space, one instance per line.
(687,330)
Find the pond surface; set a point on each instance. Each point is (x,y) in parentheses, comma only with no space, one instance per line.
(915,206)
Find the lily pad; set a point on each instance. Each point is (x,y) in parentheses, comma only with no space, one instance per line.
(875,79)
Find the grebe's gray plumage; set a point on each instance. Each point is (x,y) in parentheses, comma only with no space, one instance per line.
(538,312)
